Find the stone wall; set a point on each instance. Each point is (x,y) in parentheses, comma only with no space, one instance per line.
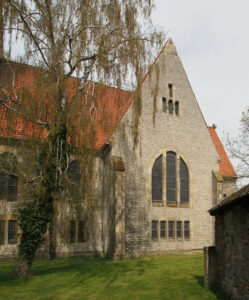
(232,250)
(187,135)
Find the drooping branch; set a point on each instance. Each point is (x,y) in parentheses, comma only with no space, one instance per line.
(6,98)
(30,31)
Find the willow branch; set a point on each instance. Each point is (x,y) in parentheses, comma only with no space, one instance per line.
(29,30)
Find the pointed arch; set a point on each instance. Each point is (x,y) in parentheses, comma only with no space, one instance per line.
(157,180)
(184,182)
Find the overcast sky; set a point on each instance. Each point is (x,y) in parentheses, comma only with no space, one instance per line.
(212,40)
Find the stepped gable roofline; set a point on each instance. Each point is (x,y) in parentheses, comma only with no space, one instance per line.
(237,197)
(225,167)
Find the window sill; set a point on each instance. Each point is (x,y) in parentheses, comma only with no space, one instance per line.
(157,203)
(172,204)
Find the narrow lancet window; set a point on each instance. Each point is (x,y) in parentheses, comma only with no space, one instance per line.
(157,182)
(177,108)
(164,105)
(170,90)
(184,182)
(171,176)
(170,106)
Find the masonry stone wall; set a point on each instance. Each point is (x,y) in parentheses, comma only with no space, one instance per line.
(186,134)
(232,250)
(119,220)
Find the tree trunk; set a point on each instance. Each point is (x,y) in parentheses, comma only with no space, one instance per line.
(22,268)
(52,240)
(1,31)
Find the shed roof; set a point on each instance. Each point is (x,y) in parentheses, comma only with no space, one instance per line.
(238,196)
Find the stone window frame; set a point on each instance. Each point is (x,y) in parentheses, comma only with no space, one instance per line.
(6,233)
(76,232)
(169,103)
(12,238)
(167,237)
(5,195)
(76,178)
(163,203)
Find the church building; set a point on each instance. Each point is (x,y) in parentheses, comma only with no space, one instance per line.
(150,200)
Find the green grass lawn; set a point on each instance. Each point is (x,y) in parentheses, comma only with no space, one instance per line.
(170,277)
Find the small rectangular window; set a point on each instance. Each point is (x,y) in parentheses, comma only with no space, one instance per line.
(179,229)
(171,229)
(2,186)
(12,188)
(170,90)
(72,231)
(81,235)
(170,106)
(164,105)
(163,229)
(12,232)
(177,108)
(2,231)
(186,230)
(154,233)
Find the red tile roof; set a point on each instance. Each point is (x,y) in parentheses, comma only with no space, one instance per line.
(225,167)
(111,105)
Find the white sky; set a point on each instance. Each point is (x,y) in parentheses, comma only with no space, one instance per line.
(212,41)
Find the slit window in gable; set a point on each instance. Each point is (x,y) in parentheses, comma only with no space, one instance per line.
(164,105)
(177,108)
(170,106)
(170,86)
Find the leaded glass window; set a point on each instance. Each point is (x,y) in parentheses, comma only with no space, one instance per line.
(163,229)
(12,232)
(184,182)
(81,235)
(154,232)
(171,176)
(157,183)
(171,229)
(12,188)
(72,231)
(179,229)
(186,230)
(2,231)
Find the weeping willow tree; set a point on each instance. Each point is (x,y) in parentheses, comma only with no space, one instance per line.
(104,41)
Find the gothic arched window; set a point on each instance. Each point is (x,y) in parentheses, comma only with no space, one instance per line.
(171,176)
(157,180)
(176,175)
(184,182)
